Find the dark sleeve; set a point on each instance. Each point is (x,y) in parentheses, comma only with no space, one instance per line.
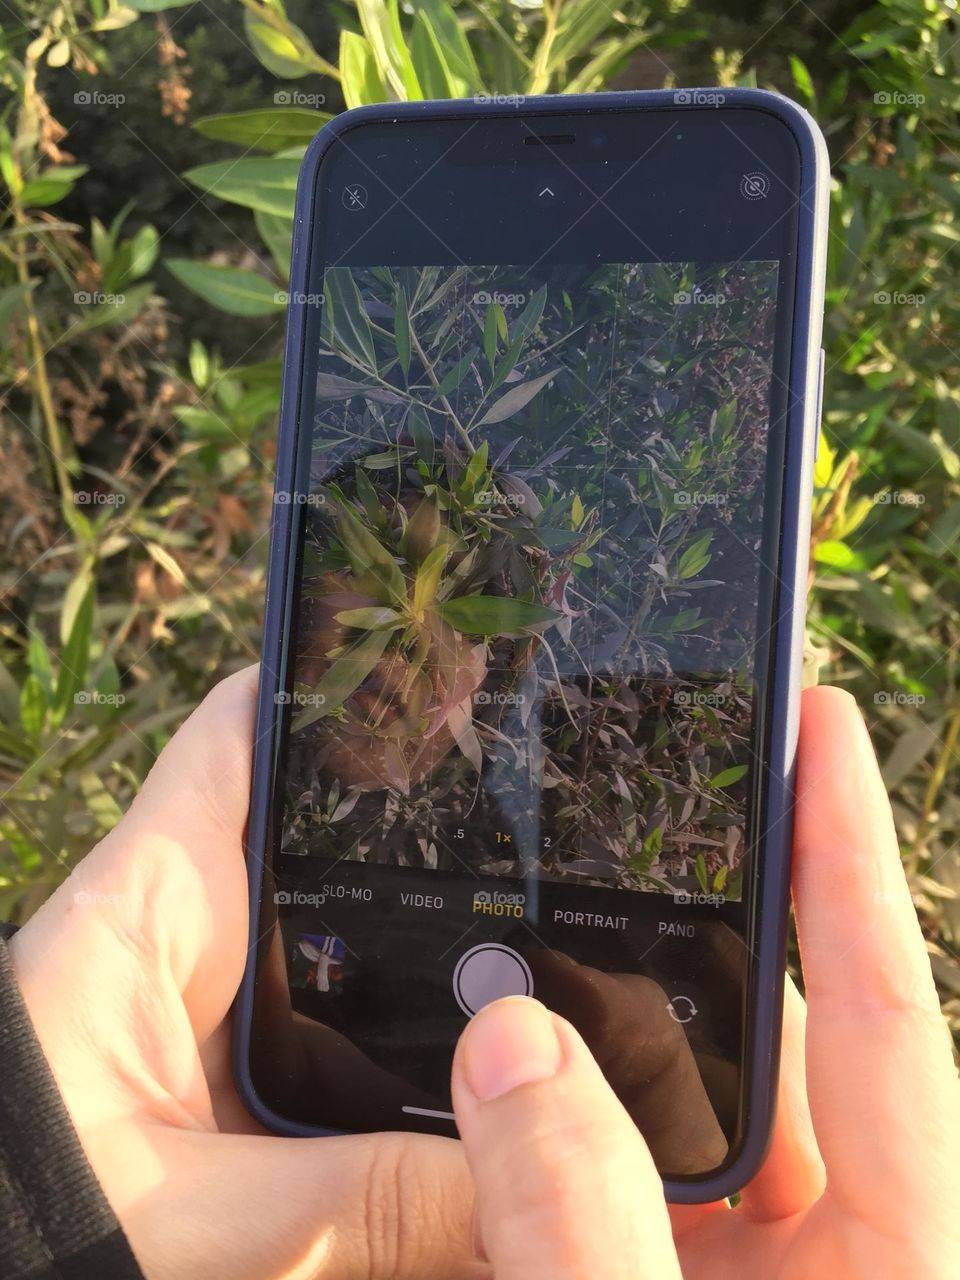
(55,1222)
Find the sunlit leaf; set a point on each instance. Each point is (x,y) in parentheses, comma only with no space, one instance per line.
(727,777)
(277,235)
(380,20)
(428,579)
(75,656)
(231,289)
(267,129)
(287,55)
(33,707)
(695,559)
(255,182)
(359,79)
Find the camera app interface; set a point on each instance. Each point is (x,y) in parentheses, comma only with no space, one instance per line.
(522,717)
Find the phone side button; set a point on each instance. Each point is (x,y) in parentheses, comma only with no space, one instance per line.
(819,415)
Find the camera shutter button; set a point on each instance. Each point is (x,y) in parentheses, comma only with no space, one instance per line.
(489,972)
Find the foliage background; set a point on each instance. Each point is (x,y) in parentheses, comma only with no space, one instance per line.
(148,154)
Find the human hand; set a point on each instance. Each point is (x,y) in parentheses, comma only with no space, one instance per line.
(137,1038)
(860,1180)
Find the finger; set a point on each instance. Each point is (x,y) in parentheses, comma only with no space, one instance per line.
(565,1185)
(372,1207)
(182,842)
(874,1032)
(792,1177)
(644,1053)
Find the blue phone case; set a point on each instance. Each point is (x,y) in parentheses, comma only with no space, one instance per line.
(764,996)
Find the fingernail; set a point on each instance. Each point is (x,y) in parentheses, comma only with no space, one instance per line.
(510,1043)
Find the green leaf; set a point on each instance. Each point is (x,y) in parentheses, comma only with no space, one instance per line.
(343,677)
(75,656)
(652,845)
(33,707)
(581,24)
(454,376)
(346,317)
(401,331)
(73,599)
(268,129)
(368,619)
(695,559)
(837,555)
(628,813)
(494,615)
(449,33)
(280,53)
(238,292)
(156,6)
(727,777)
(368,557)
(130,303)
(428,579)
(51,186)
(380,20)
(801,78)
(144,247)
(422,436)
(423,529)
(700,867)
(204,424)
(490,330)
(38,659)
(255,182)
(386,461)
(517,398)
(359,79)
(530,316)
(474,472)
(277,235)
(430,63)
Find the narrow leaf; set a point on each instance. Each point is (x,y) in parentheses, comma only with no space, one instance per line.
(343,677)
(494,615)
(515,399)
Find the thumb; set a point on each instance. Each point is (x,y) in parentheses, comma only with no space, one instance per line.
(566,1188)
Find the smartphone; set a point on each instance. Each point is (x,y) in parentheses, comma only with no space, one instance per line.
(528,700)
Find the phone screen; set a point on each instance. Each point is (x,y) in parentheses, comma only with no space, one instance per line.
(522,746)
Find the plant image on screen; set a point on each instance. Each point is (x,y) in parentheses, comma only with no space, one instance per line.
(529,604)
